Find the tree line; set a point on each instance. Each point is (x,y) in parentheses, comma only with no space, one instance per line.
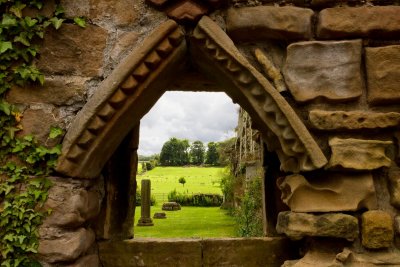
(181,152)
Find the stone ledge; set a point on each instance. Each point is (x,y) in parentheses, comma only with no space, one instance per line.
(355,22)
(298,225)
(265,22)
(352,120)
(358,154)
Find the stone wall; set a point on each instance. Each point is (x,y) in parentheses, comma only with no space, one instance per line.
(336,64)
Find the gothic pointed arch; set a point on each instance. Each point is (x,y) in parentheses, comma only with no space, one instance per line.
(216,55)
(121,101)
(137,83)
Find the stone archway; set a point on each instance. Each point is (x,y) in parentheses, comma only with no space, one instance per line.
(137,83)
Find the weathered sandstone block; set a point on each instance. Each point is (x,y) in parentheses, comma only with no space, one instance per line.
(358,154)
(352,120)
(66,52)
(342,22)
(376,229)
(135,252)
(266,22)
(394,187)
(125,40)
(246,252)
(324,69)
(383,73)
(336,192)
(71,203)
(38,122)
(120,13)
(68,246)
(56,90)
(86,261)
(298,225)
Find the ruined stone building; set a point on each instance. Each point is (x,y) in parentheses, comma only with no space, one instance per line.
(320,80)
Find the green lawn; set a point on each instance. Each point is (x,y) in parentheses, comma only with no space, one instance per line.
(198,180)
(188,222)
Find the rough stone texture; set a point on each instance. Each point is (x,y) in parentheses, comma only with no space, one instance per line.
(125,40)
(214,54)
(298,225)
(352,120)
(358,154)
(67,246)
(150,252)
(394,186)
(328,69)
(58,90)
(249,252)
(121,101)
(66,52)
(376,229)
(244,252)
(383,73)
(119,13)
(334,192)
(38,122)
(265,22)
(71,203)
(353,22)
(326,255)
(86,261)
(171,206)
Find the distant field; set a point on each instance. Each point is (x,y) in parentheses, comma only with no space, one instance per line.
(188,222)
(198,180)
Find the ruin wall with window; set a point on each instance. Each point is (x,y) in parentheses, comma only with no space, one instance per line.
(319,78)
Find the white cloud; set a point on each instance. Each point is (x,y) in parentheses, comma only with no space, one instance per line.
(190,115)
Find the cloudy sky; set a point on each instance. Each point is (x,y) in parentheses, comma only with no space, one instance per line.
(187,115)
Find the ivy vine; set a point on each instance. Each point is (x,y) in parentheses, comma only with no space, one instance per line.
(23,162)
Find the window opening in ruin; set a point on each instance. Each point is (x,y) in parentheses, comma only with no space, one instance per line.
(178,154)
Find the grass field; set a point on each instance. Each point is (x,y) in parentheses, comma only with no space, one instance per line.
(189,221)
(198,180)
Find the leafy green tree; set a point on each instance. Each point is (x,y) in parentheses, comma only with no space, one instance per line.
(212,154)
(182,181)
(175,152)
(197,151)
(226,150)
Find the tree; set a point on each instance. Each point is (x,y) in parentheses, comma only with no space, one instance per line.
(212,154)
(226,150)
(175,152)
(197,153)
(182,181)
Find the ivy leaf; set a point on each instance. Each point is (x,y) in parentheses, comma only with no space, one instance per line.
(5,107)
(22,38)
(55,132)
(56,22)
(8,21)
(16,9)
(30,22)
(4,46)
(59,11)
(81,22)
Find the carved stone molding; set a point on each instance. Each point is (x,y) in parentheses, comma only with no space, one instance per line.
(114,108)
(216,55)
(137,83)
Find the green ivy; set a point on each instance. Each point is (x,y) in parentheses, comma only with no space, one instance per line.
(23,162)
